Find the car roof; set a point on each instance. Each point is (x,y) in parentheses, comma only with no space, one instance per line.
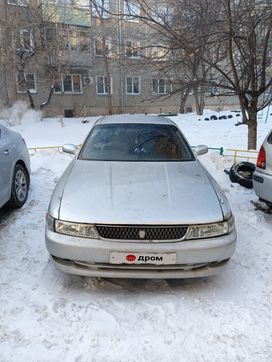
(135,118)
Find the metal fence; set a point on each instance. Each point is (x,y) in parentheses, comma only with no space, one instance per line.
(241,155)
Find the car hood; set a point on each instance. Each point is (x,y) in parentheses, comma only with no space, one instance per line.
(139,193)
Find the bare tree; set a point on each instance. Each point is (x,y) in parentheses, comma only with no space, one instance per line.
(33,41)
(21,44)
(222,44)
(235,47)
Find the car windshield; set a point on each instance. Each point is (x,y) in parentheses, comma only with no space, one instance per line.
(136,142)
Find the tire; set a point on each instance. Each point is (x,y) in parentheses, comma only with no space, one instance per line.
(19,187)
(213,118)
(268,203)
(241,173)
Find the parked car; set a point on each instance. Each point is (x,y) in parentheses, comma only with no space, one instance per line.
(14,169)
(262,177)
(136,203)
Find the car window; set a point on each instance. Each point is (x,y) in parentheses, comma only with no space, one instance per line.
(136,142)
(269,139)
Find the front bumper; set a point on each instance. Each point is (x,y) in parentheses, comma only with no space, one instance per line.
(90,257)
(262,184)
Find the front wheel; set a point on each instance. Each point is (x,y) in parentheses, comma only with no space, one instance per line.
(19,187)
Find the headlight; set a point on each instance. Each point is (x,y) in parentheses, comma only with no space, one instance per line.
(71,228)
(75,229)
(210,230)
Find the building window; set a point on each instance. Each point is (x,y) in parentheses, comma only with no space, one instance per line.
(161,86)
(73,40)
(100,8)
(71,83)
(69,40)
(159,52)
(18,2)
(51,35)
(133,85)
(84,41)
(162,13)
(26,39)
(103,85)
(101,47)
(57,86)
(133,49)
(26,82)
(64,40)
(131,10)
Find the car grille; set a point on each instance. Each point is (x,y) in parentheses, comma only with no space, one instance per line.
(175,232)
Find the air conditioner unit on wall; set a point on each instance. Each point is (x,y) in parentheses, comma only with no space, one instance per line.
(87,81)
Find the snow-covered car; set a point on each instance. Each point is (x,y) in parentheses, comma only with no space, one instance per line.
(136,203)
(14,168)
(262,177)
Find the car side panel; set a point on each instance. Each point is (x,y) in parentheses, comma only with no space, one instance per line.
(17,152)
(262,178)
(6,166)
(262,184)
(268,150)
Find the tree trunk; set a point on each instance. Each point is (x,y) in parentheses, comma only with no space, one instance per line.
(25,88)
(183,99)
(252,125)
(201,103)
(107,68)
(109,80)
(252,133)
(244,115)
(49,97)
(31,100)
(197,104)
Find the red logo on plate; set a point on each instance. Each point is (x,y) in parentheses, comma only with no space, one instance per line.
(131,257)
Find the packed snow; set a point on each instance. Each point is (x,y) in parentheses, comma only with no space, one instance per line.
(49,316)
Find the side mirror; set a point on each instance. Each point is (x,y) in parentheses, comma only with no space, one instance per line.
(69,148)
(201,150)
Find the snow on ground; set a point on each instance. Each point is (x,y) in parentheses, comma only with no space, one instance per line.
(48,316)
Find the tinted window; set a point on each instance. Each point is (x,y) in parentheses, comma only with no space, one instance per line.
(136,142)
(269,139)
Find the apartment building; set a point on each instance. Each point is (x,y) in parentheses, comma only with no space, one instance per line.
(78,58)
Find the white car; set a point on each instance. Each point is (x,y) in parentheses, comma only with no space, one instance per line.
(262,177)
(14,169)
(136,203)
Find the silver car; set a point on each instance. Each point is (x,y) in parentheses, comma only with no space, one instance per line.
(136,203)
(262,177)
(14,169)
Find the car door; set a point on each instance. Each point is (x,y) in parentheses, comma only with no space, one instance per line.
(5,165)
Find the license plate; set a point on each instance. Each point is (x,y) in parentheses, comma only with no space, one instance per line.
(142,258)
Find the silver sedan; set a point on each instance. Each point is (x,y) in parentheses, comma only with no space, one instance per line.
(14,169)
(136,203)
